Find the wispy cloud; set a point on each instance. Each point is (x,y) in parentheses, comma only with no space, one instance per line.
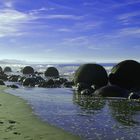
(11,21)
(128,18)
(79,39)
(126,3)
(8,3)
(88,25)
(57,16)
(95,47)
(129,15)
(57,5)
(135,32)
(15,23)
(64,30)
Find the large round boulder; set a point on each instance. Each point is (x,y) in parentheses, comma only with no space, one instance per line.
(28,70)
(51,72)
(30,82)
(91,74)
(7,69)
(126,74)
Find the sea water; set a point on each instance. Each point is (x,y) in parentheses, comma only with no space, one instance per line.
(89,117)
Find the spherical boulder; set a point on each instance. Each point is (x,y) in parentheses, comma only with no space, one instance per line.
(30,82)
(126,74)
(91,74)
(51,72)
(111,91)
(7,69)
(28,70)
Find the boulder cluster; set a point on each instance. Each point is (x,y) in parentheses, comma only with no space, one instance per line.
(29,78)
(89,79)
(123,80)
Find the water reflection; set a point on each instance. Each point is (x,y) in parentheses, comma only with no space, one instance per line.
(89,117)
(125,111)
(122,111)
(88,102)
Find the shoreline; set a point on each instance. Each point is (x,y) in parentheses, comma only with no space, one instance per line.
(17,122)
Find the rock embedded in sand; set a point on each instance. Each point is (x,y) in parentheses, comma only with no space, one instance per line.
(111,91)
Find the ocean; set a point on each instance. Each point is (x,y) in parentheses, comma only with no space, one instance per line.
(65,70)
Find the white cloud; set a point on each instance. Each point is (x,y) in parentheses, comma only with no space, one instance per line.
(95,48)
(8,3)
(57,16)
(126,3)
(129,18)
(87,25)
(135,32)
(64,30)
(10,21)
(77,40)
(13,22)
(129,15)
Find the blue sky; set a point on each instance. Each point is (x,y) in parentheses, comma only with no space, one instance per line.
(70,30)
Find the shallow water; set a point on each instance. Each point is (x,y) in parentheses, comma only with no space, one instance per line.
(87,117)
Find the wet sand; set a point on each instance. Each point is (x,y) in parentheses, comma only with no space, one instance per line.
(17,122)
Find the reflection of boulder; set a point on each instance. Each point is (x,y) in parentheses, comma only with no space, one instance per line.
(88,102)
(111,91)
(51,72)
(91,74)
(124,111)
(7,69)
(28,70)
(126,74)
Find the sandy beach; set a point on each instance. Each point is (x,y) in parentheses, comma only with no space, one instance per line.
(17,122)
